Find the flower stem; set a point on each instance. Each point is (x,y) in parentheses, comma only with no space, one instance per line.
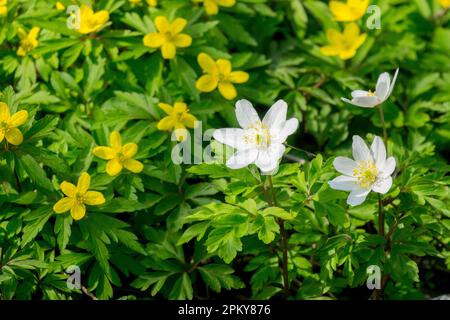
(283,241)
(380,216)
(383,123)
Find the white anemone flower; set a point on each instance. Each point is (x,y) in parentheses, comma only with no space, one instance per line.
(370,171)
(258,142)
(369,99)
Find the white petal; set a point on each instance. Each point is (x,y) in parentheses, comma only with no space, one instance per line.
(245,113)
(365,102)
(268,159)
(343,183)
(357,196)
(359,93)
(393,83)
(289,127)
(383,85)
(344,165)
(383,185)
(276,116)
(378,151)
(242,158)
(231,137)
(389,167)
(360,150)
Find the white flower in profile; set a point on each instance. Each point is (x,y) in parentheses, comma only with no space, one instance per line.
(258,142)
(370,171)
(369,99)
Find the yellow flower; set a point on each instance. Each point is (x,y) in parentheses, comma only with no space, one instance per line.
(9,124)
(219,74)
(152,3)
(60,6)
(350,11)
(212,6)
(344,44)
(77,197)
(119,156)
(3,7)
(178,117)
(27,41)
(168,37)
(444,3)
(90,21)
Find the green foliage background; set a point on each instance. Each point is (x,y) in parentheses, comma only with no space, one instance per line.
(205,231)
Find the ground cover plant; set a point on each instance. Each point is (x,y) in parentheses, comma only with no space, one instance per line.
(209,149)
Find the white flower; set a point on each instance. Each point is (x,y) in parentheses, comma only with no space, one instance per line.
(258,142)
(370,171)
(369,99)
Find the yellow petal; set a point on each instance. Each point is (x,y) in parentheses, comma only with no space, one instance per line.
(152,3)
(129,150)
(68,189)
(211,7)
(133,165)
(206,83)
(21,52)
(113,167)
(14,136)
(162,24)
(78,211)
(94,198)
(330,50)
(3,11)
(166,124)
(2,135)
(177,25)
(238,77)
(100,18)
(179,107)
(351,32)
(188,120)
(207,64)
(168,50)
(154,40)
(105,153)
(63,205)
(34,32)
(60,6)
(334,36)
(115,140)
(227,90)
(359,41)
(83,183)
(167,108)
(19,118)
(4,112)
(224,66)
(226,3)
(182,40)
(347,54)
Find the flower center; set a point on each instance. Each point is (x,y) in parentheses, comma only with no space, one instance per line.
(167,35)
(257,135)
(365,173)
(370,93)
(4,125)
(223,77)
(79,198)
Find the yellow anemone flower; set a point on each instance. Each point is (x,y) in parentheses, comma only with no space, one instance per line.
(77,197)
(60,6)
(27,41)
(9,124)
(168,37)
(119,156)
(212,6)
(344,44)
(178,118)
(90,21)
(219,74)
(3,7)
(444,3)
(350,11)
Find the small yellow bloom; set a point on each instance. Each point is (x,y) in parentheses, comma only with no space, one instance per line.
(77,197)
(444,3)
(350,11)
(3,7)
(27,41)
(90,21)
(178,118)
(152,3)
(219,74)
(60,6)
(344,44)
(9,124)
(212,6)
(119,156)
(168,37)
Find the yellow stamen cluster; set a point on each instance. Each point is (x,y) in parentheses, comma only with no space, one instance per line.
(257,134)
(366,173)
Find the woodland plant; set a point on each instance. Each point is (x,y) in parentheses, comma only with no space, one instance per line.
(306,202)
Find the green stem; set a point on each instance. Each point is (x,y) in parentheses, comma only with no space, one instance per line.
(380,216)
(383,123)
(283,241)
